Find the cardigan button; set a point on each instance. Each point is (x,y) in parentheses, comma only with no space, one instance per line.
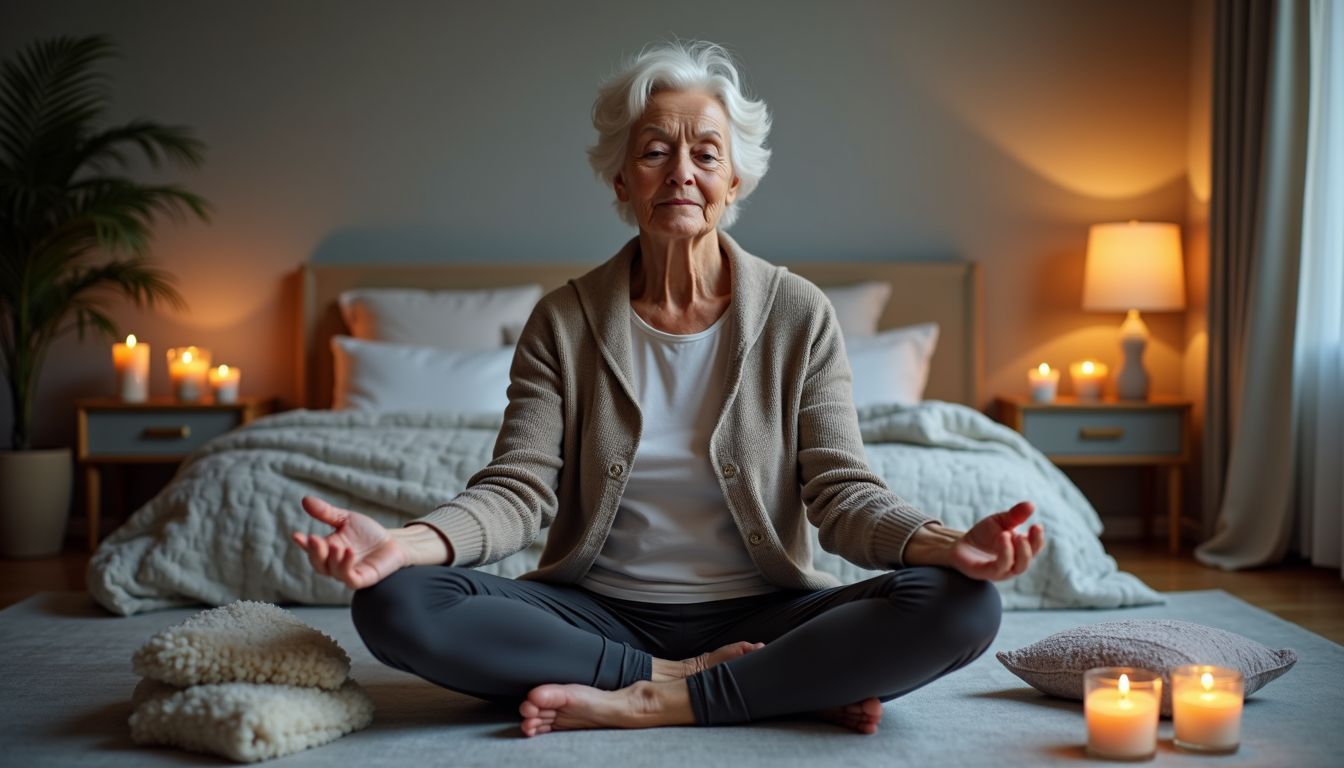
(730,470)
(755,539)
(616,470)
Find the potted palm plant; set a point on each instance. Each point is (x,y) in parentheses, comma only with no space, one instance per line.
(74,238)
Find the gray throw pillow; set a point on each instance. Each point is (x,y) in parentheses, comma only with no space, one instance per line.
(1056,664)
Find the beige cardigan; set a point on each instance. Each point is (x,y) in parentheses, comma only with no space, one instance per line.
(786,447)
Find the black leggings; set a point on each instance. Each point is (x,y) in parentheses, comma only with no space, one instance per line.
(496,638)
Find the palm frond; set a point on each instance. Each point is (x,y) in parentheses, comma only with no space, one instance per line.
(134,279)
(49,93)
(73,234)
(156,141)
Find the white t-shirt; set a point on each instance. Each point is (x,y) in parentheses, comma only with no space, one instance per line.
(674,540)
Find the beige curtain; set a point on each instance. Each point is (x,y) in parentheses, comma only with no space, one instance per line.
(1260,110)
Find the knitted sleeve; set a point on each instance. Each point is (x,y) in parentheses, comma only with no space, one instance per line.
(509,501)
(858,517)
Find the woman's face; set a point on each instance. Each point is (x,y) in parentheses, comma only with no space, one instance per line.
(677,176)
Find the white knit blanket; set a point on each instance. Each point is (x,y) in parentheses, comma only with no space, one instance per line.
(219,531)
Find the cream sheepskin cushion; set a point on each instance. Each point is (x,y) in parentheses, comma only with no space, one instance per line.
(243,642)
(245,721)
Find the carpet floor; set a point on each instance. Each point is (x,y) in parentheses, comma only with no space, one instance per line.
(65,700)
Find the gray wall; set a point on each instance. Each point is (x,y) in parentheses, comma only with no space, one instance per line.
(351,131)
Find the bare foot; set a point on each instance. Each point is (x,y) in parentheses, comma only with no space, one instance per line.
(862,716)
(646,704)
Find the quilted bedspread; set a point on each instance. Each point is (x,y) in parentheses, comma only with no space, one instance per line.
(219,531)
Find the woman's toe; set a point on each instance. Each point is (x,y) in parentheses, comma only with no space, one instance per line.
(547,698)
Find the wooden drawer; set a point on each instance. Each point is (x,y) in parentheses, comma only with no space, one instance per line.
(155,433)
(1106,432)
(160,430)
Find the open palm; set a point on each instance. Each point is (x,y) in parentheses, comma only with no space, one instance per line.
(992,551)
(361,552)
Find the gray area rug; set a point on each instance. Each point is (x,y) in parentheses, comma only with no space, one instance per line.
(67,685)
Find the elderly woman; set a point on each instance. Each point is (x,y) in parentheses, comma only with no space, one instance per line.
(677,416)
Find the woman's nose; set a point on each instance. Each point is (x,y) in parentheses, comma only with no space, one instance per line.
(682,171)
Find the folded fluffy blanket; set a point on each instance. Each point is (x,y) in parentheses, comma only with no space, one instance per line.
(249,681)
(243,642)
(246,721)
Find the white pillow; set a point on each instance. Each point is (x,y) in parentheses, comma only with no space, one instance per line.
(452,319)
(892,366)
(858,307)
(381,376)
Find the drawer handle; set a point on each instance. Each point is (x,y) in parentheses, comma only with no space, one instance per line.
(167,433)
(1101,433)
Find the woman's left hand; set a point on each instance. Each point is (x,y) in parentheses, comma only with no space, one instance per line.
(992,551)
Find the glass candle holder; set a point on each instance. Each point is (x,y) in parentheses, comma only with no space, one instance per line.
(1089,377)
(224,382)
(1206,704)
(187,367)
(1044,382)
(1122,706)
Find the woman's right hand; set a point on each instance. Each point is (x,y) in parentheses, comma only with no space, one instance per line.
(360,552)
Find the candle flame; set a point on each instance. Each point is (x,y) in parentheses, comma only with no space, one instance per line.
(1206,680)
(223,370)
(1088,368)
(130,340)
(186,357)
(1044,369)
(1124,686)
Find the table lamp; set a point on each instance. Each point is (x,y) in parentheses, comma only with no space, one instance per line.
(1133,266)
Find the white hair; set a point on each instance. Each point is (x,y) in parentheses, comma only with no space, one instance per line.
(622,98)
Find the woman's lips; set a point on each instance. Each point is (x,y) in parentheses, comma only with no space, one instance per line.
(678,202)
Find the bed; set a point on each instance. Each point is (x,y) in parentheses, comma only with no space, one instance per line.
(219,531)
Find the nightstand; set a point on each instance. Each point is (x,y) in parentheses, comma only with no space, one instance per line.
(1074,432)
(160,431)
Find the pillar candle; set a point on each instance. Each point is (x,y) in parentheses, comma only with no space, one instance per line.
(130,360)
(1206,706)
(187,367)
(1089,377)
(224,383)
(1044,382)
(1121,705)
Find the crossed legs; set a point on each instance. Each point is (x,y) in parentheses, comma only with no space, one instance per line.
(497,638)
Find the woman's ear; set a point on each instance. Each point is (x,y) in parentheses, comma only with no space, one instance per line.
(619,184)
(732,189)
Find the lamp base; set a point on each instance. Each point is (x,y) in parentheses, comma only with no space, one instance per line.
(1131,383)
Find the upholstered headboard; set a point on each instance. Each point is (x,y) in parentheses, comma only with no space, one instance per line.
(945,292)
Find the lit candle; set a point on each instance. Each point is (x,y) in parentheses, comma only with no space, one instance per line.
(187,367)
(1088,378)
(1044,380)
(131,362)
(1206,707)
(1121,705)
(224,383)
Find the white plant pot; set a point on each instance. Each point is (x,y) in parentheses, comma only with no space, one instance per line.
(34,502)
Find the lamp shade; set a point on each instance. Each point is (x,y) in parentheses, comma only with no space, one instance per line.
(1134,265)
